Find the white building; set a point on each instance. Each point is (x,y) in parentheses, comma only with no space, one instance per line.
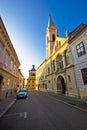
(78,45)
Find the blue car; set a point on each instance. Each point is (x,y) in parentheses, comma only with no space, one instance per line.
(22,93)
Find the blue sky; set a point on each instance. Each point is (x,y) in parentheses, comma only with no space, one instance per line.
(26,22)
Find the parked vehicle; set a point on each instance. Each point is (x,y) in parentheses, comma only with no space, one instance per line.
(22,93)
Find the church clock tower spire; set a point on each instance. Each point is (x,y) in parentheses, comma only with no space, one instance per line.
(50,22)
(51,34)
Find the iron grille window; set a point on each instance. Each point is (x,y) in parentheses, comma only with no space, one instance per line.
(84,75)
(80,49)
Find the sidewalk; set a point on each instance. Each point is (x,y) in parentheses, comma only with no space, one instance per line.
(76,102)
(6,104)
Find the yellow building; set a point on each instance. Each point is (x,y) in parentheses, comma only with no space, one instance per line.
(56,73)
(31,81)
(9,63)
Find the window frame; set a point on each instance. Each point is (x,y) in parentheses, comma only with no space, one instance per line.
(84,75)
(53,37)
(11,65)
(6,61)
(1,50)
(80,49)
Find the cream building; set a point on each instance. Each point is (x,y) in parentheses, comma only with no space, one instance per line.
(56,73)
(78,46)
(9,63)
(41,80)
(21,81)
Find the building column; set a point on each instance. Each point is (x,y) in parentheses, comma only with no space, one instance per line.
(63,57)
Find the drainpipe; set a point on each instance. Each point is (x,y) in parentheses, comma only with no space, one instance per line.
(76,84)
(52,72)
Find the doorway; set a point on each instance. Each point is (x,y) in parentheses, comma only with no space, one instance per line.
(1,79)
(61,84)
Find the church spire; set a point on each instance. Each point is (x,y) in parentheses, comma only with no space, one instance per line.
(50,22)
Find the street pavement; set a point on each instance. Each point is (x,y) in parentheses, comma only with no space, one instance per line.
(8,102)
(44,111)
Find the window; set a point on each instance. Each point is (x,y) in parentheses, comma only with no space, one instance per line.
(59,61)
(53,65)
(80,49)
(48,81)
(67,61)
(11,65)
(48,70)
(15,69)
(69,78)
(47,39)
(59,43)
(53,38)
(6,59)
(84,75)
(1,49)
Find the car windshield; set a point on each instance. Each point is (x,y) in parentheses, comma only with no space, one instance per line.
(23,90)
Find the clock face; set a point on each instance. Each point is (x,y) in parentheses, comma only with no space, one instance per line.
(32,72)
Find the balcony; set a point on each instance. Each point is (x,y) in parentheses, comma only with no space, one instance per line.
(59,70)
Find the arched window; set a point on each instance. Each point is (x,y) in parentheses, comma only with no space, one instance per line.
(47,39)
(59,43)
(48,70)
(59,62)
(53,37)
(53,65)
(67,61)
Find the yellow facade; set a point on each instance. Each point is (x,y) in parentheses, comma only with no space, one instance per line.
(31,82)
(9,63)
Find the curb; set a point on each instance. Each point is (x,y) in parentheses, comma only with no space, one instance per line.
(7,108)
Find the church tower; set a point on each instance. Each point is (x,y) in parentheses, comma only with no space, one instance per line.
(51,34)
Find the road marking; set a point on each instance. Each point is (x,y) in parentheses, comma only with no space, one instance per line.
(22,114)
(11,114)
(25,114)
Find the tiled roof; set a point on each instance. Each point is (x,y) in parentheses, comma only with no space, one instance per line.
(76,31)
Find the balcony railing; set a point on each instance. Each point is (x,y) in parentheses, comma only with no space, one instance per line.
(3,65)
